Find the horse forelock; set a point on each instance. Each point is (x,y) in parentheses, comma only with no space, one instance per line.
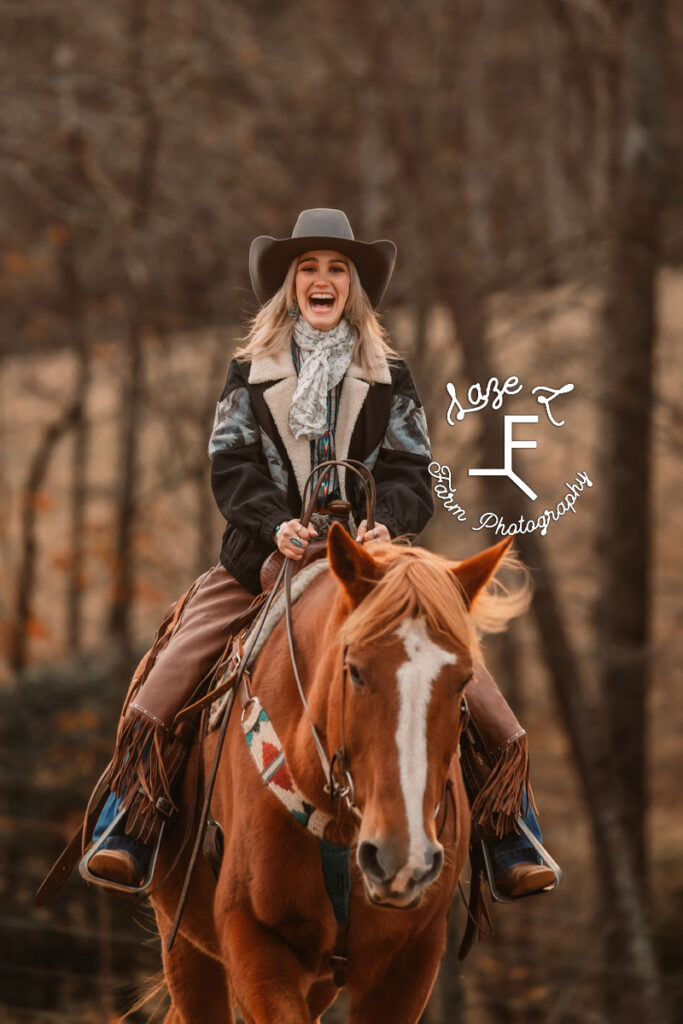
(416,585)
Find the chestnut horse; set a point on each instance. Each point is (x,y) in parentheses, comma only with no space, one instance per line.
(385,640)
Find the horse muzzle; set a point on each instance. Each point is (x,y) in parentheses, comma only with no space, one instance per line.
(391,881)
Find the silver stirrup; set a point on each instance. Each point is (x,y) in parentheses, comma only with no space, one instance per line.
(545,859)
(105,883)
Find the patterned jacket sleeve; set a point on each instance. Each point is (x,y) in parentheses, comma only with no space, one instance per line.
(404,486)
(244,490)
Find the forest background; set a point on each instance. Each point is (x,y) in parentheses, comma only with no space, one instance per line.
(527,160)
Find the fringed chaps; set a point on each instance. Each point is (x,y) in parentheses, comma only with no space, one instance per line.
(151,745)
(494,758)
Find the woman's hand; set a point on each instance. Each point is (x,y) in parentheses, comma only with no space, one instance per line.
(364,536)
(292,538)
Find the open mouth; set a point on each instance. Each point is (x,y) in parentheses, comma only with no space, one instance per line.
(321,303)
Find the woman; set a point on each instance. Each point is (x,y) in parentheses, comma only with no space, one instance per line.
(315,380)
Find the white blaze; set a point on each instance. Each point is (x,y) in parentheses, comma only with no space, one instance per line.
(415,677)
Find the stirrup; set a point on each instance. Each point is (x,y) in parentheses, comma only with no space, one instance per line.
(546,859)
(105,883)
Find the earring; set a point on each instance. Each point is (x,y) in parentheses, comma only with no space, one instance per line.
(347,314)
(294,311)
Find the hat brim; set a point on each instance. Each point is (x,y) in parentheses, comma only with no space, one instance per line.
(269,259)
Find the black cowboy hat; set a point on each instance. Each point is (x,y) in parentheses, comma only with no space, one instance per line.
(269,257)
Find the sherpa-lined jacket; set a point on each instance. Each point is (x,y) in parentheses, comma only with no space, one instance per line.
(259,468)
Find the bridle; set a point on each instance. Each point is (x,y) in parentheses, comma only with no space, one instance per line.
(339,784)
(337,769)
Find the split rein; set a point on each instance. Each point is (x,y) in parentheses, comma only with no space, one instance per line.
(337,771)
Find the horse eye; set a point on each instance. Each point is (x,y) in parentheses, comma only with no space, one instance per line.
(355,675)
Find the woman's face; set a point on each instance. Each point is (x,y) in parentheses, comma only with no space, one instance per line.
(322,287)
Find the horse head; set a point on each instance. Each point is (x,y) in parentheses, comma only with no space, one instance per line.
(409,646)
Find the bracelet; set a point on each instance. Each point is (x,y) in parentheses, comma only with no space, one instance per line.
(276,530)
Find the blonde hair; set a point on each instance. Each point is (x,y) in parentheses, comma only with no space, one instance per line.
(270,331)
(418,582)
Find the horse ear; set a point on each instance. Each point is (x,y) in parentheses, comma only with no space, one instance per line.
(474,573)
(351,564)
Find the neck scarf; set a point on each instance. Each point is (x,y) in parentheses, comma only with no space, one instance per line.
(325,358)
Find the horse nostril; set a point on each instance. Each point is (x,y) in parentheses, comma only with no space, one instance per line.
(369,862)
(434,869)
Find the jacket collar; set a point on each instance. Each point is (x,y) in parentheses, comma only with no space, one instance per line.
(279,366)
(279,372)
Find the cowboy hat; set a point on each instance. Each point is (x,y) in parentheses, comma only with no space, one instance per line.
(269,257)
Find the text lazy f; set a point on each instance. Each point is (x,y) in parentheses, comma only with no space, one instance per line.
(493,393)
(479,397)
(547,399)
(509,445)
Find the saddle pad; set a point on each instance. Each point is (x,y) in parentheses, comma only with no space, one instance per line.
(275,614)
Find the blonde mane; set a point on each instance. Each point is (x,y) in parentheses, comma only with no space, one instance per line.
(419,583)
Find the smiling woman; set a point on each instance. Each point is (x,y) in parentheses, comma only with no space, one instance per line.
(322,287)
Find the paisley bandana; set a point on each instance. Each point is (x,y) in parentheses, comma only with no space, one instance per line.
(325,358)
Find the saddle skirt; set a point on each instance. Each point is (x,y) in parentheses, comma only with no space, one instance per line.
(276,613)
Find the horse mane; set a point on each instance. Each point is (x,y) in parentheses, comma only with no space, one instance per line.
(419,583)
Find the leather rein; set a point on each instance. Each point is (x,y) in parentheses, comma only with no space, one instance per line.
(337,771)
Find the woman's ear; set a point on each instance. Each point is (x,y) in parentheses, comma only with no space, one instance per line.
(474,573)
(351,564)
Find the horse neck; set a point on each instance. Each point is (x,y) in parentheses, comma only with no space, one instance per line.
(319,653)
(319,657)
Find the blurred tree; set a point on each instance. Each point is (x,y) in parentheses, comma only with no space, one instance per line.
(31,497)
(625,543)
(143,187)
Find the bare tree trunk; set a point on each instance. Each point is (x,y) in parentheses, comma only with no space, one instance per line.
(75,312)
(207,542)
(629,334)
(124,571)
(123,590)
(74,303)
(478,145)
(26,578)
(554,125)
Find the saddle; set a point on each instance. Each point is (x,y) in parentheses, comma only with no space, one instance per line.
(338,511)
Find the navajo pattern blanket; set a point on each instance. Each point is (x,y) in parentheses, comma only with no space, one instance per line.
(269,757)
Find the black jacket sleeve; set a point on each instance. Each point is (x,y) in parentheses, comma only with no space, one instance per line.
(404,486)
(243,488)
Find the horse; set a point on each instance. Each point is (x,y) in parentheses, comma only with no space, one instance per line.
(385,641)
